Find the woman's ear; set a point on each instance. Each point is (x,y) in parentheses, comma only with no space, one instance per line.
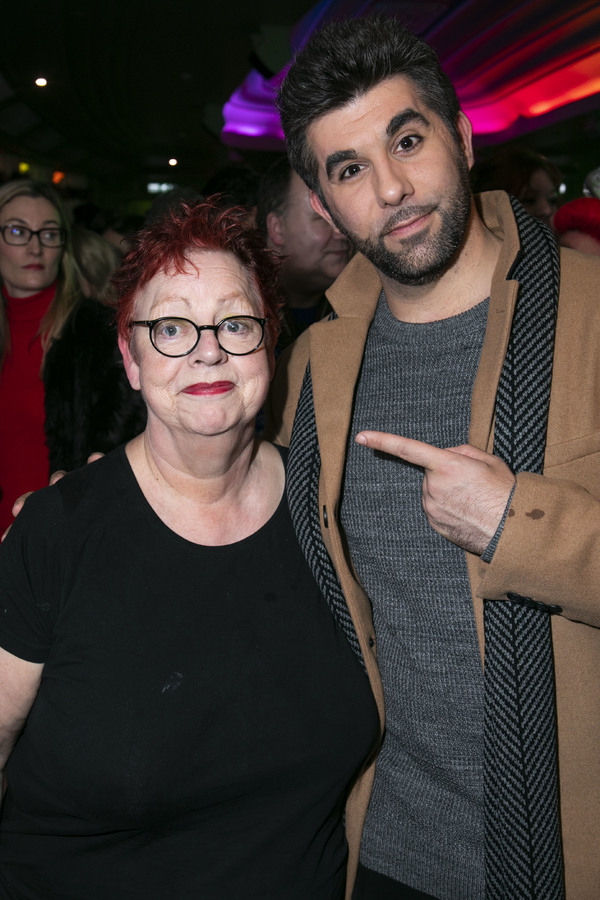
(131,366)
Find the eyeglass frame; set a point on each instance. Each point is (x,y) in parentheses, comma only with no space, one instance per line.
(62,232)
(150,323)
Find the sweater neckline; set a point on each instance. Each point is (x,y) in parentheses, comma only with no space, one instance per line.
(21,309)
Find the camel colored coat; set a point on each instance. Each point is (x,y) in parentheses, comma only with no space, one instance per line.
(550,545)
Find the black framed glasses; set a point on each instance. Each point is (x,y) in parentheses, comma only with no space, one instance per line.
(236,335)
(19,235)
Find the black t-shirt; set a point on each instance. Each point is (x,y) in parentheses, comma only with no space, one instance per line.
(200,716)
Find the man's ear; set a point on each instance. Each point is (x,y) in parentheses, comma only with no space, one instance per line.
(465,133)
(131,366)
(275,234)
(317,205)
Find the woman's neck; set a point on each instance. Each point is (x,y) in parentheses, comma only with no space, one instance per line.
(210,490)
(46,293)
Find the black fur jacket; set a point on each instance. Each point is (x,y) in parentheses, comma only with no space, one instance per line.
(89,402)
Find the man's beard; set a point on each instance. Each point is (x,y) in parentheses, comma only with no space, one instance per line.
(421,258)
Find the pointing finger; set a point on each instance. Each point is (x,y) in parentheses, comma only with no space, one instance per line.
(417,452)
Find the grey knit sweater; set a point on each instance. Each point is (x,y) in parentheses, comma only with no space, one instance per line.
(425,820)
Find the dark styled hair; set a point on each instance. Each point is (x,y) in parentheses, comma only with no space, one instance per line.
(345,60)
(273,192)
(166,244)
(582,214)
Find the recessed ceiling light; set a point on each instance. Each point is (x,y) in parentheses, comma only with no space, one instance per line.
(41,82)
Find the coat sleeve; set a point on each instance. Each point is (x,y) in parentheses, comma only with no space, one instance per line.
(550,547)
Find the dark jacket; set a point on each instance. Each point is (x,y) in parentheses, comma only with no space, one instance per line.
(88,400)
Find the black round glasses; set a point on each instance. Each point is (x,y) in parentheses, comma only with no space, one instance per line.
(236,335)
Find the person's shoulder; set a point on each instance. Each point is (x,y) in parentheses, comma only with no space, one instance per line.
(93,483)
(89,329)
(579,275)
(90,315)
(574,260)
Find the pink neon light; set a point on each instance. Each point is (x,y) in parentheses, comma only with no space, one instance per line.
(252,120)
(572,82)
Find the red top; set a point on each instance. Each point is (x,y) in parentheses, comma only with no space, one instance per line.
(23,451)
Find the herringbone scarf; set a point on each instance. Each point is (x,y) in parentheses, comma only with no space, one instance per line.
(523,845)
(303,470)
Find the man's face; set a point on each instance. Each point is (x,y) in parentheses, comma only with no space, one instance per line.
(315,252)
(395,181)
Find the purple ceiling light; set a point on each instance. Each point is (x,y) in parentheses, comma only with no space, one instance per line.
(502,83)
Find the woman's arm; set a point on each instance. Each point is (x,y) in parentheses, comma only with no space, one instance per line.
(19,683)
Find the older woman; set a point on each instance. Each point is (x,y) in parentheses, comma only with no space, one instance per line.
(192,717)
(63,392)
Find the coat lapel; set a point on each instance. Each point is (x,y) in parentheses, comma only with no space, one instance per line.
(336,352)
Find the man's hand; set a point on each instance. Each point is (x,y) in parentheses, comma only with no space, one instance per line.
(465,491)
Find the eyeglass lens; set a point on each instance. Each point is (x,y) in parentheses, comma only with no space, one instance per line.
(237,335)
(17,235)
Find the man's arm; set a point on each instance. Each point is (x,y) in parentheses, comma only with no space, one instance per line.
(19,683)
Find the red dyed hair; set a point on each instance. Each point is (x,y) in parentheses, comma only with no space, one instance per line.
(582,214)
(165,246)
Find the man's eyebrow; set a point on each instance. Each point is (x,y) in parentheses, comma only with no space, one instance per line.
(406,117)
(336,158)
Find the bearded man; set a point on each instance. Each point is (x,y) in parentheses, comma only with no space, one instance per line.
(444,471)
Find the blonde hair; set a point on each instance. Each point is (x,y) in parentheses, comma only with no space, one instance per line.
(67,293)
(96,259)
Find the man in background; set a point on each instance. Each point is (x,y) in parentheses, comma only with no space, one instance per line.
(313,252)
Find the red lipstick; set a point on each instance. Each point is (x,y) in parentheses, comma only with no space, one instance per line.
(208,388)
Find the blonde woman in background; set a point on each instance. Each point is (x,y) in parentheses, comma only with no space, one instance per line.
(63,392)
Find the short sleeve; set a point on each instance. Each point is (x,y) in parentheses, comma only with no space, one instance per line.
(32,571)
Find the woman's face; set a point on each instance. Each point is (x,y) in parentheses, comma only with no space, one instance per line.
(208,391)
(540,197)
(31,267)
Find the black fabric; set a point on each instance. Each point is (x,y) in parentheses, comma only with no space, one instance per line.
(295,320)
(522,811)
(200,717)
(89,404)
(372,885)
